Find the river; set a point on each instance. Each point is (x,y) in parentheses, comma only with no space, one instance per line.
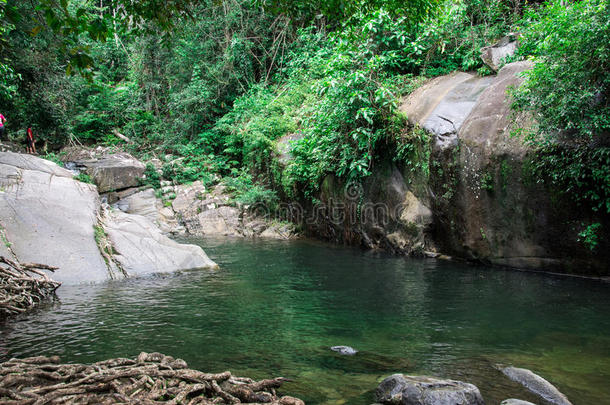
(275,307)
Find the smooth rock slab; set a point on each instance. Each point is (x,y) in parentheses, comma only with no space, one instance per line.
(400,389)
(536,384)
(141,248)
(49,218)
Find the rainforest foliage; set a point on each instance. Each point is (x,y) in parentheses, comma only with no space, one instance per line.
(209,87)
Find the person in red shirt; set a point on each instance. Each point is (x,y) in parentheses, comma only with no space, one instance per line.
(31,144)
(2,121)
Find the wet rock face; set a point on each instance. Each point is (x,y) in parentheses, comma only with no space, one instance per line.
(537,385)
(382,212)
(486,203)
(400,389)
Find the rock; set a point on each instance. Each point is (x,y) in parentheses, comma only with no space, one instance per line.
(493,56)
(282,230)
(140,247)
(386,211)
(345,350)
(513,401)
(213,213)
(145,203)
(286,400)
(400,389)
(447,102)
(536,384)
(109,170)
(221,221)
(486,206)
(49,218)
(116,172)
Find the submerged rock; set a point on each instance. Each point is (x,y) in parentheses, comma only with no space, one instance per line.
(400,389)
(536,384)
(513,401)
(345,350)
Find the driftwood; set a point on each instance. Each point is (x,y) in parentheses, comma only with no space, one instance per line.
(121,136)
(151,378)
(23,286)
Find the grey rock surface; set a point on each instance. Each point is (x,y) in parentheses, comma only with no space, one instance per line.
(400,389)
(442,105)
(140,248)
(145,203)
(536,384)
(494,55)
(345,350)
(212,213)
(513,401)
(49,218)
(110,170)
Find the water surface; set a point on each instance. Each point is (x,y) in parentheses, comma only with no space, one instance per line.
(275,307)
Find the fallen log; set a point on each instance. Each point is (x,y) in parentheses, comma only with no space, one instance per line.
(151,378)
(23,286)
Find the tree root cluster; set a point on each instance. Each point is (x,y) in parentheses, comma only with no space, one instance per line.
(151,378)
(23,286)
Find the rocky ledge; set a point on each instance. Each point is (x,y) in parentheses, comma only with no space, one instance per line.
(48,217)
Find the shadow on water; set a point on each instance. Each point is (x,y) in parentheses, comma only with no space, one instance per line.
(275,308)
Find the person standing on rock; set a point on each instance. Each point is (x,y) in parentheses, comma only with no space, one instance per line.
(2,121)
(29,140)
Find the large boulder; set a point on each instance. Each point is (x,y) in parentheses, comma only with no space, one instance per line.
(536,384)
(48,217)
(400,389)
(442,105)
(140,248)
(145,203)
(109,170)
(494,55)
(486,202)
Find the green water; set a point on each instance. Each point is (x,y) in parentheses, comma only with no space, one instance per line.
(274,309)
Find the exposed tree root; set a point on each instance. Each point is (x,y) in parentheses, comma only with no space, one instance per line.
(151,378)
(23,286)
